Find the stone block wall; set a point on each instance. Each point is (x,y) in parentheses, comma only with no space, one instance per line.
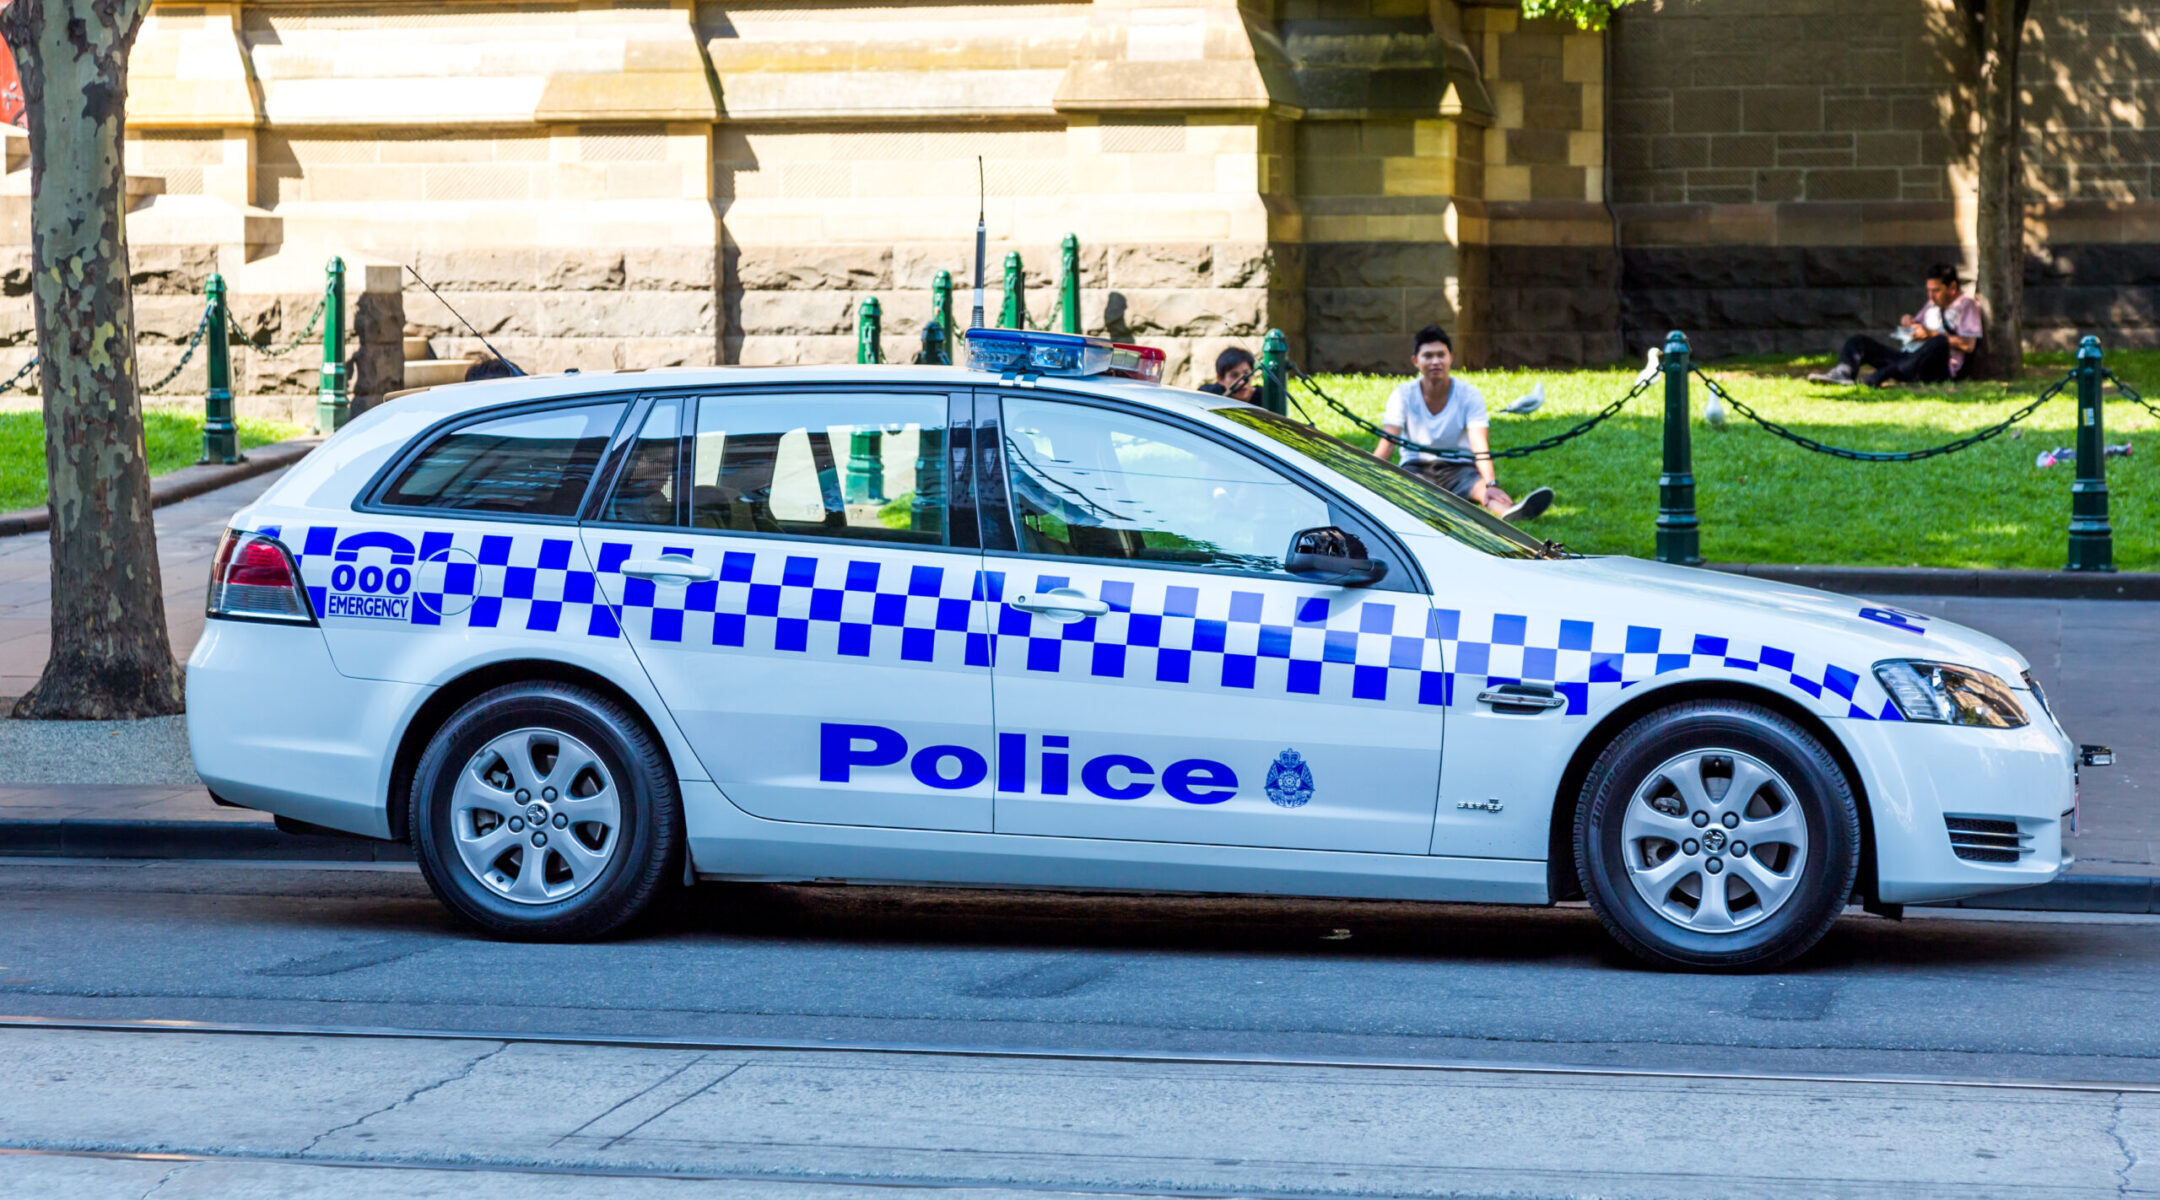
(1781,199)
(1546,263)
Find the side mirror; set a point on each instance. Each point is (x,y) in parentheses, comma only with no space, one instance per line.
(1331,555)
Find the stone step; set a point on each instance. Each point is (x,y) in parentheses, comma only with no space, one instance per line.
(434,372)
(417,348)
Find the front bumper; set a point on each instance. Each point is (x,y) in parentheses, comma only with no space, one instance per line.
(1918,774)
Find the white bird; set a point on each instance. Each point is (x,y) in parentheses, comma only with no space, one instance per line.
(1713,411)
(1651,367)
(1529,402)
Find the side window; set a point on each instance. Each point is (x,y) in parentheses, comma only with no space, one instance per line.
(534,464)
(848,466)
(1095,483)
(645,491)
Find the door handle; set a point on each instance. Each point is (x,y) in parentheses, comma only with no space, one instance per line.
(1522,698)
(1067,603)
(666,570)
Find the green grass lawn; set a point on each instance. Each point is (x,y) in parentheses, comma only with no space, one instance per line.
(174,440)
(1762,499)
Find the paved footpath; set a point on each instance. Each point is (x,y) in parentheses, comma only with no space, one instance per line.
(2096,658)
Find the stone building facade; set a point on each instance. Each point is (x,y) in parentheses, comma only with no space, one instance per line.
(632,183)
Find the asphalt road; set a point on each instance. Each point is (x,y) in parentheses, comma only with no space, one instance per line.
(1942,996)
(771,1041)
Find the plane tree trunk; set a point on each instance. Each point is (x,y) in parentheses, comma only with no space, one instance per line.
(111,656)
(1996,32)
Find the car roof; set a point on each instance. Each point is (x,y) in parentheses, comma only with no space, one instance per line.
(466,397)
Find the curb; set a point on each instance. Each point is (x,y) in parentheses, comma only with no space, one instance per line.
(259,840)
(2076,893)
(1955,581)
(262,841)
(185,483)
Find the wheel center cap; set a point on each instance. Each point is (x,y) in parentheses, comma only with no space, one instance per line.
(1713,840)
(536,813)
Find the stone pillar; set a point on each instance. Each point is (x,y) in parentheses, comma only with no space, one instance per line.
(1551,274)
(1180,145)
(1390,161)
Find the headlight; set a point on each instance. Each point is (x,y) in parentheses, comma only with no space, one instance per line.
(1947,695)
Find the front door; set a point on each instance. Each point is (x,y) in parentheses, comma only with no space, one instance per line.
(788,567)
(1161,677)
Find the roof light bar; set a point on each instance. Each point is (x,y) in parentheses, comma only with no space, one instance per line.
(1021,352)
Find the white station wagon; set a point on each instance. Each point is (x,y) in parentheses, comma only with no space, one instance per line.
(584,637)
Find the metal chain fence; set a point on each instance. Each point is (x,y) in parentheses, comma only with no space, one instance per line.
(306,335)
(15,380)
(1885,456)
(2130,393)
(194,341)
(1451,454)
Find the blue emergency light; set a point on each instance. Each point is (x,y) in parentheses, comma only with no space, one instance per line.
(1021,352)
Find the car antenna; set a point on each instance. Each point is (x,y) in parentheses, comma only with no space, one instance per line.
(462,321)
(982,208)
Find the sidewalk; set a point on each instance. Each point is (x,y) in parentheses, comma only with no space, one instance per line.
(128,789)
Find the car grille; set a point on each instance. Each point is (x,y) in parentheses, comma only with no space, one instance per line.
(1987,839)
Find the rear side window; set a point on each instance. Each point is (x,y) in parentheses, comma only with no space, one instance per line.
(532,465)
(867,467)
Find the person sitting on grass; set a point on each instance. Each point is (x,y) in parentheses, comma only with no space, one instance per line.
(1234,376)
(1936,342)
(1437,409)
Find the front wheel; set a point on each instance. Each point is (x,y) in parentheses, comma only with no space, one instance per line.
(1717,835)
(545,812)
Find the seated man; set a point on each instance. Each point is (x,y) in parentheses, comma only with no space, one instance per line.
(1437,409)
(1936,342)
(1234,376)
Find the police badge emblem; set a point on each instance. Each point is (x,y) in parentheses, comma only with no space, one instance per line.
(1289,780)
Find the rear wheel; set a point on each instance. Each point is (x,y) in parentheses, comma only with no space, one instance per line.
(1717,835)
(546,812)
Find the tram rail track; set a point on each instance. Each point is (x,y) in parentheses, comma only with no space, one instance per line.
(1051,1054)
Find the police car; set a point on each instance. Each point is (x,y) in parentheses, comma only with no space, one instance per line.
(1043,622)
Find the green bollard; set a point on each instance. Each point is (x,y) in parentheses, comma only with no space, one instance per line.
(221,438)
(866,458)
(333,394)
(927,513)
(2092,543)
(1275,373)
(1013,314)
(1679,537)
(869,346)
(1069,283)
(936,349)
(941,310)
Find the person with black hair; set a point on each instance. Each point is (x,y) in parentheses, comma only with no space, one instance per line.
(1439,410)
(1936,342)
(1234,376)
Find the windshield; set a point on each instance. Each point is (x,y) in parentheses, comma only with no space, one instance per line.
(1467,523)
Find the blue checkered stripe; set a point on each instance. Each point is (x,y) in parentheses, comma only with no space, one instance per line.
(1271,642)
(1589,660)
(820,604)
(529,582)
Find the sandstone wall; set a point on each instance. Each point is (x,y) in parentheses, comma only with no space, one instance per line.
(1786,170)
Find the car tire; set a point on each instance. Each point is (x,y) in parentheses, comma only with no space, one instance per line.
(1687,874)
(546,812)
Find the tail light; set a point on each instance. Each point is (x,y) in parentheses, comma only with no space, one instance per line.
(254,579)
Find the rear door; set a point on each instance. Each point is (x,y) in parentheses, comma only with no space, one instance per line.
(799,581)
(1161,677)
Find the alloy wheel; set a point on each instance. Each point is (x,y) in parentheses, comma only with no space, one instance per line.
(536,816)
(1715,841)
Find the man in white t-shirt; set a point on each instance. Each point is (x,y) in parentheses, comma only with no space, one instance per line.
(1436,409)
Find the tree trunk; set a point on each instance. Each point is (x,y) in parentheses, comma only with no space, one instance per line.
(111,657)
(2001,217)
